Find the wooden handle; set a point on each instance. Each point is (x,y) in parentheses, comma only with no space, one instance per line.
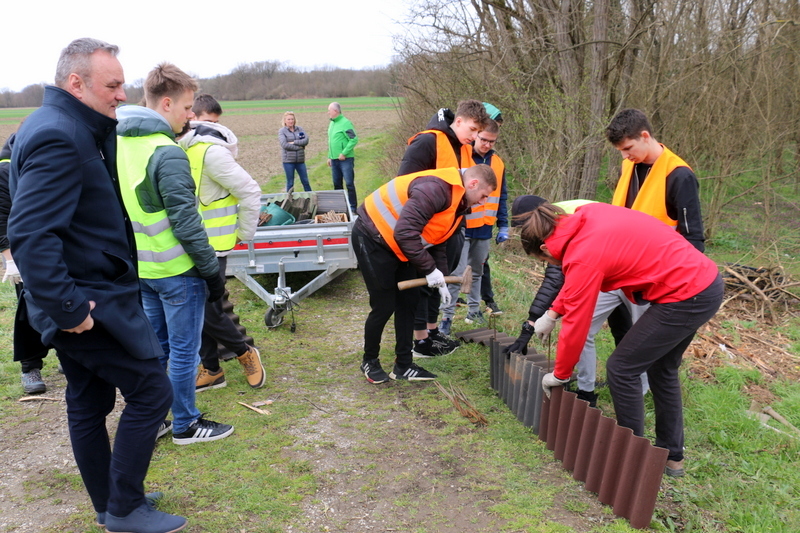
(422,282)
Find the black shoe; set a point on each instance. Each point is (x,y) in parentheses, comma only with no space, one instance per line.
(32,382)
(164,428)
(202,430)
(374,372)
(493,309)
(460,302)
(588,396)
(434,347)
(442,344)
(412,373)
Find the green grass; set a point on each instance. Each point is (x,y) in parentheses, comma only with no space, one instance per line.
(259,107)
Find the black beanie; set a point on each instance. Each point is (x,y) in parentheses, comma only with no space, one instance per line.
(524,204)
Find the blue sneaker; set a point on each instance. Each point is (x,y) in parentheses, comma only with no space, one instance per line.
(150,499)
(145,519)
(445,325)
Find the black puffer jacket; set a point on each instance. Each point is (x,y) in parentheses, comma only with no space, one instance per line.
(421,153)
(546,295)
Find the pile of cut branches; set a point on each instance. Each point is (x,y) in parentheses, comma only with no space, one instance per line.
(764,291)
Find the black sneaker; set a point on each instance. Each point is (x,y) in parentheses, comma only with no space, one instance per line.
(202,430)
(437,336)
(588,396)
(412,373)
(442,344)
(493,309)
(460,302)
(32,382)
(164,428)
(374,372)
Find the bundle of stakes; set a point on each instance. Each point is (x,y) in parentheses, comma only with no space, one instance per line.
(765,288)
(464,406)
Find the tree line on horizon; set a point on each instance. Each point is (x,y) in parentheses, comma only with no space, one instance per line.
(261,80)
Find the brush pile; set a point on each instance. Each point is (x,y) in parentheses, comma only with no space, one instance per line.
(763,292)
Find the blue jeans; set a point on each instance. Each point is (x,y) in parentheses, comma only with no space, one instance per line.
(290,168)
(175,307)
(345,170)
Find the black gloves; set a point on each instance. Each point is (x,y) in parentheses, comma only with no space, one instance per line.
(521,344)
(216,287)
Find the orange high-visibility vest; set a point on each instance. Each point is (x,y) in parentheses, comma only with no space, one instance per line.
(652,197)
(486,214)
(445,155)
(385,205)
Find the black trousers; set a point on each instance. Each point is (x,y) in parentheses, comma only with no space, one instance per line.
(95,365)
(655,344)
(28,347)
(218,328)
(382,270)
(487,294)
(428,306)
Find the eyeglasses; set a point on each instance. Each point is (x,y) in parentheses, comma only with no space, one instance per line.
(487,141)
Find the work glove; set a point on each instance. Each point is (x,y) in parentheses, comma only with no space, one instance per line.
(521,344)
(216,288)
(444,292)
(544,326)
(549,381)
(435,278)
(502,235)
(12,273)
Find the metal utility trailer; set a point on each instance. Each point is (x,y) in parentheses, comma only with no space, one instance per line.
(304,246)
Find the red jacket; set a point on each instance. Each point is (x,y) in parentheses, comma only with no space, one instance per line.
(605,247)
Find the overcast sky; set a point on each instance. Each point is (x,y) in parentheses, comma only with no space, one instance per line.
(202,37)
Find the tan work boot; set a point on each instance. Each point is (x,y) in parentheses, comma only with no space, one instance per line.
(253,369)
(210,380)
(675,469)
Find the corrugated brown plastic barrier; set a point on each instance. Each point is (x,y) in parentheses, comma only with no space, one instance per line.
(624,470)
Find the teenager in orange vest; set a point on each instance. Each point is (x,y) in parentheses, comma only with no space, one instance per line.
(445,143)
(395,238)
(479,228)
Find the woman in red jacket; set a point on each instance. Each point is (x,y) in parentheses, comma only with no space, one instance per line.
(602,248)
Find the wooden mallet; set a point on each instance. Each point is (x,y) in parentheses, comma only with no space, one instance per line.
(465,281)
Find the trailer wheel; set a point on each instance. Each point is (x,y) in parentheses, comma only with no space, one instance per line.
(273,318)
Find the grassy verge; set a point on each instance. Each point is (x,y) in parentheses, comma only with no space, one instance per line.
(404,448)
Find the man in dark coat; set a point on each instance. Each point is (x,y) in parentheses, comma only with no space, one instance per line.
(73,244)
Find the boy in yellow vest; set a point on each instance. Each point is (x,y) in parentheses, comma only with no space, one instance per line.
(229,202)
(178,268)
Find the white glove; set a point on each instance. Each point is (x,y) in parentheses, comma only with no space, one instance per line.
(445,294)
(549,381)
(544,326)
(435,278)
(12,273)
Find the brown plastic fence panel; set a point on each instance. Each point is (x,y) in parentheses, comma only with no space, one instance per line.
(579,410)
(624,470)
(586,443)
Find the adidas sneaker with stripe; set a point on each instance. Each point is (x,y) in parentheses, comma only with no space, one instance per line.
(412,373)
(202,430)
